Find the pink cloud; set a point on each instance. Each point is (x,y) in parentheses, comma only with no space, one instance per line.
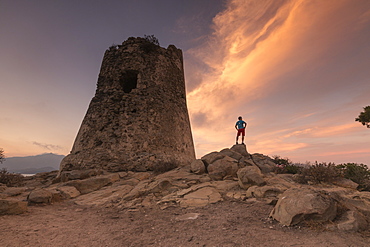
(292,68)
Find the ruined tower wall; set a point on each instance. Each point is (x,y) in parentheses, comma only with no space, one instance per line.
(138,117)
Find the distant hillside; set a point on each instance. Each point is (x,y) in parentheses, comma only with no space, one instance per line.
(33,164)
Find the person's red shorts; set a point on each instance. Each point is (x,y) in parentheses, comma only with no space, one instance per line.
(241,131)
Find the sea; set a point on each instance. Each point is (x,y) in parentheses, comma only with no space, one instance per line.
(27,175)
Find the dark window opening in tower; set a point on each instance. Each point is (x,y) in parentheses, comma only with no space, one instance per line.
(128,80)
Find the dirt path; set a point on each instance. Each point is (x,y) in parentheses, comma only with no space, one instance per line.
(222,224)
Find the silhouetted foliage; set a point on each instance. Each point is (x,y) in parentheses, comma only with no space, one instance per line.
(358,173)
(364,117)
(151,45)
(10,179)
(152,39)
(322,172)
(285,165)
(2,156)
(319,173)
(281,161)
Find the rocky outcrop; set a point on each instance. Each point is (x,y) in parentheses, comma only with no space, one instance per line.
(238,154)
(197,166)
(230,174)
(298,204)
(223,168)
(91,184)
(264,163)
(250,175)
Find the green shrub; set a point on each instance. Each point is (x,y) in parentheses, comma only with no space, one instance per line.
(358,173)
(319,173)
(285,165)
(281,161)
(10,179)
(293,168)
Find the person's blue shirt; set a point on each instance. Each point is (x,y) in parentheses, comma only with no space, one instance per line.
(240,124)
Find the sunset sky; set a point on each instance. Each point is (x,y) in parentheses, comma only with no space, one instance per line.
(298,71)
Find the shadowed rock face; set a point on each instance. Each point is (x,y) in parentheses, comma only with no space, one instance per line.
(138,118)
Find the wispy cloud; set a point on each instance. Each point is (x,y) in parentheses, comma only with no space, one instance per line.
(50,147)
(343,129)
(294,69)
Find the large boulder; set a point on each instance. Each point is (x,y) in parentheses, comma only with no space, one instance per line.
(211,157)
(197,166)
(68,192)
(40,196)
(246,161)
(250,175)
(352,221)
(298,204)
(231,153)
(225,167)
(10,206)
(241,149)
(264,163)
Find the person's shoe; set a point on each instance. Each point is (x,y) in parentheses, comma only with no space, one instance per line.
(237,143)
(243,143)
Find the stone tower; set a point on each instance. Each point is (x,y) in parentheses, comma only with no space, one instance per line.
(138,117)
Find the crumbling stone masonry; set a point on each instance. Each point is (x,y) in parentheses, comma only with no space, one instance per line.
(138,118)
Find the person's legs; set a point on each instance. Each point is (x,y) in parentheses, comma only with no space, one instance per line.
(243,134)
(237,136)
(240,132)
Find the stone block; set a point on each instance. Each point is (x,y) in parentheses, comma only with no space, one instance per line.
(69,191)
(298,204)
(10,206)
(198,166)
(39,196)
(250,175)
(222,168)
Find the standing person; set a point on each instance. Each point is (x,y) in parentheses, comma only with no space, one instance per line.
(240,127)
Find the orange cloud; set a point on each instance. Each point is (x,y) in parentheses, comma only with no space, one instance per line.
(365,152)
(335,130)
(248,50)
(277,146)
(251,56)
